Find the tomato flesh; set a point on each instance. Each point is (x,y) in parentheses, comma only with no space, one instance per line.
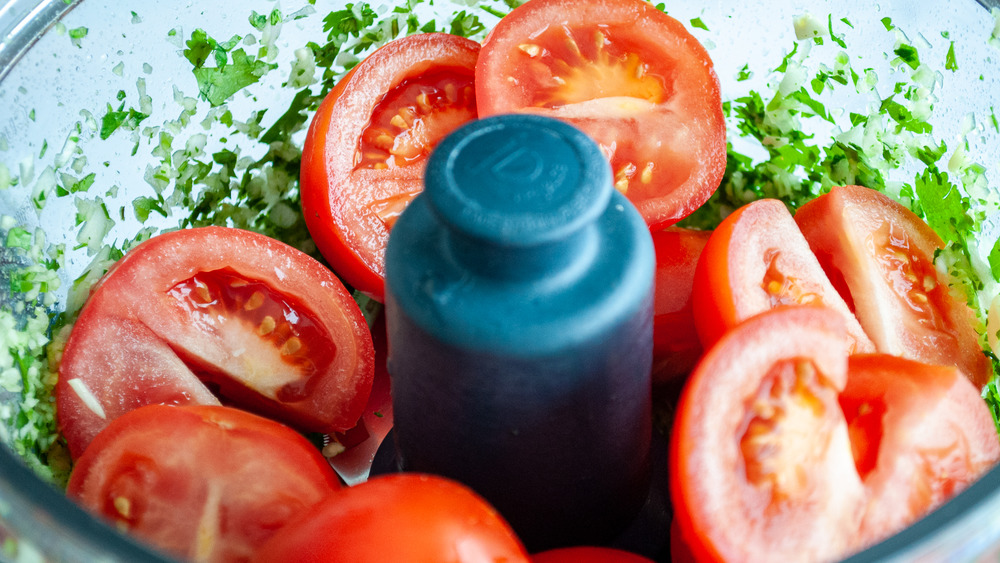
(884,254)
(761,465)
(399,517)
(629,76)
(364,154)
(755,260)
(206,483)
(921,433)
(199,312)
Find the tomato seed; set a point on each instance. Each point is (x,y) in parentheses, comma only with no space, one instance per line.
(266,326)
(291,346)
(530,49)
(255,301)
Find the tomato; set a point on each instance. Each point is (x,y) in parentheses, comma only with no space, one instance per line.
(206,483)
(628,75)
(676,347)
(920,433)
(757,259)
(587,554)
(364,154)
(760,460)
(197,311)
(401,517)
(884,254)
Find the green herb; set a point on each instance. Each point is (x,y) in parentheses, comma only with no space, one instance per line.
(949,61)
(696,22)
(114,119)
(908,54)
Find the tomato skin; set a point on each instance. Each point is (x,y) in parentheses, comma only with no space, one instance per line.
(877,246)
(648,93)
(210,483)
(754,260)
(166,325)
(921,433)
(760,460)
(676,346)
(587,554)
(337,194)
(401,517)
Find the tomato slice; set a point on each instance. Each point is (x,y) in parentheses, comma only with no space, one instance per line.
(629,76)
(676,346)
(399,517)
(757,259)
(206,483)
(195,312)
(761,465)
(364,155)
(884,254)
(920,432)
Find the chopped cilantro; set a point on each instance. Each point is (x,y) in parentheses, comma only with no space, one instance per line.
(887,22)
(908,54)
(949,61)
(696,22)
(114,119)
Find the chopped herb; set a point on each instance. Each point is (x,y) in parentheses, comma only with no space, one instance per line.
(887,22)
(949,61)
(114,119)
(696,22)
(908,54)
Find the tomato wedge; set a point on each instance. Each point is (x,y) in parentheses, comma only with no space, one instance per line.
(757,259)
(206,483)
(399,517)
(761,465)
(921,433)
(629,76)
(364,155)
(676,346)
(884,254)
(192,313)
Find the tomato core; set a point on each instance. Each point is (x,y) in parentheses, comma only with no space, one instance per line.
(225,302)
(783,289)
(780,438)
(911,276)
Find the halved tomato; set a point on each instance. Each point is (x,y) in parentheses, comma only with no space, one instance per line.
(190,313)
(206,483)
(676,346)
(629,76)
(761,466)
(364,156)
(884,254)
(920,433)
(399,517)
(757,259)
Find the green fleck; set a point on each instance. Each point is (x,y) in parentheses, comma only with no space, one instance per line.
(836,38)
(466,25)
(143,206)
(949,61)
(78,32)
(744,73)
(994,261)
(19,237)
(908,54)
(696,22)
(218,84)
(112,120)
(31,114)
(887,22)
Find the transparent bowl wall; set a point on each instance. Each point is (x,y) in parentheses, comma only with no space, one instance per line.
(40,69)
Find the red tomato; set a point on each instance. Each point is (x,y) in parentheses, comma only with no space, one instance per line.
(194,311)
(761,465)
(587,554)
(757,259)
(206,483)
(400,517)
(364,156)
(884,254)
(920,433)
(629,76)
(676,347)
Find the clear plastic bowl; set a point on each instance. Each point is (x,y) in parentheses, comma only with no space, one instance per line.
(41,69)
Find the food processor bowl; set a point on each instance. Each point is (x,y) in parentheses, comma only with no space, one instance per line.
(47,77)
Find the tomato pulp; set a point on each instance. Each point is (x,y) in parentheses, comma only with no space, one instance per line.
(637,82)
(207,483)
(368,142)
(192,313)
